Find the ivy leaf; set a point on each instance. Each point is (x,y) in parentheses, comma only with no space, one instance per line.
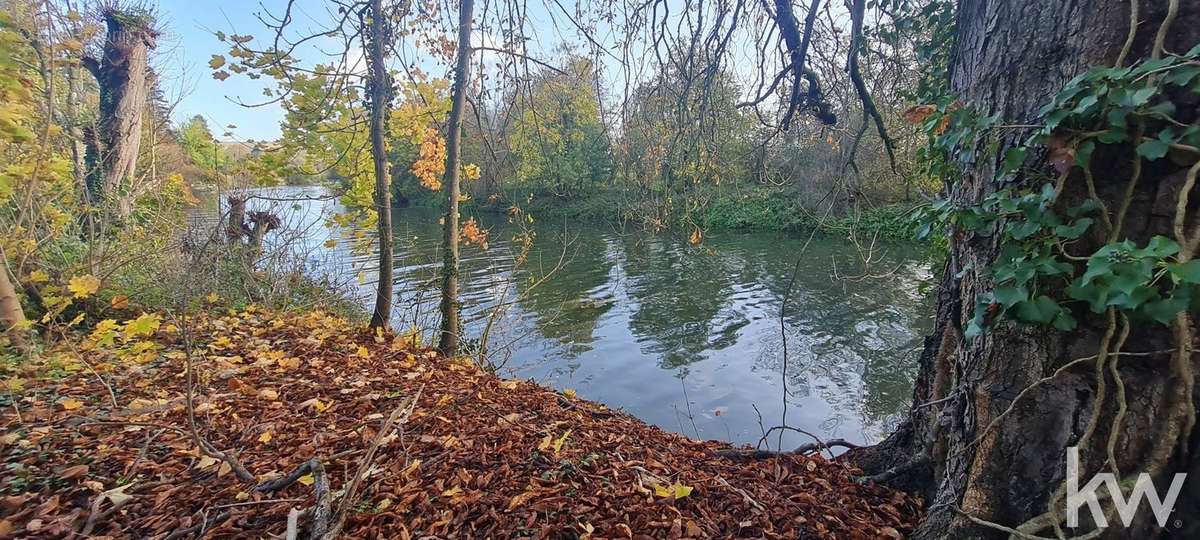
(1042,309)
(1142,96)
(1013,158)
(1073,231)
(1064,321)
(1152,149)
(1164,311)
(1158,248)
(1023,230)
(1083,153)
(1010,295)
(1188,272)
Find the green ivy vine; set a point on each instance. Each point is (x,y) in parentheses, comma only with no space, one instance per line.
(1035,278)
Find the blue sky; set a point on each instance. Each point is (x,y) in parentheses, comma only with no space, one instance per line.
(189,43)
(182,60)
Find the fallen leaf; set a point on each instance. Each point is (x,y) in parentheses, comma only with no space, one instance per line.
(306,480)
(265,437)
(73,472)
(70,404)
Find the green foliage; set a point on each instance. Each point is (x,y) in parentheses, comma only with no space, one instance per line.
(1035,279)
(558,138)
(204,150)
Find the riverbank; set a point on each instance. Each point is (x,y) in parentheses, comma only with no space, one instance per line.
(750,209)
(98,441)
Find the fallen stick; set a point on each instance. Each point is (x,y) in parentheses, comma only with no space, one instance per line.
(802,450)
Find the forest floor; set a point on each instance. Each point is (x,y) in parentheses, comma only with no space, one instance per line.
(338,426)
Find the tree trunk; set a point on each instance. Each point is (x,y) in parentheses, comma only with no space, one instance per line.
(122,77)
(235,221)
(12,317)
(1011,58)
(380,89)
(448,343)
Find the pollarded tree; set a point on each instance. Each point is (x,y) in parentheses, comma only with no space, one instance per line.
(123,76)
(323,106)
(1066,309)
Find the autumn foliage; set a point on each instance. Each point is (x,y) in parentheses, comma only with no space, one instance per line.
(479,456)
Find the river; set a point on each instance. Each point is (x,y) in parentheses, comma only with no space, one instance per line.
(685,337)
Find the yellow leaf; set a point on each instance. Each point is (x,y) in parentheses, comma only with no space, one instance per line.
(120,301)
(362,352)
(290,362)
(559,442)
(144,325)
(83,286)
(452,491)
(331,243)
(265,437)
(569,392)
(675,490)
(38,276)
(315,404)
(241,496)
(70,404)
(306,480)
(212,298)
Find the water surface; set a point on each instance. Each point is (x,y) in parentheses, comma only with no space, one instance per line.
(688,338)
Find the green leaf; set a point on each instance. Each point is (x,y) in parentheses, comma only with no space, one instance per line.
(1013,158)
(1042,309)
(1188,272)
(1010,295)
(1164,311)
(1158,248)
(1152,149)
(1064,321)
(1073,231)
(1143,95)
(1023,230)
(1083,153)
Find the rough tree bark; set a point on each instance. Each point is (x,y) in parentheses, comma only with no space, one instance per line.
(1011,57)
(380,92)
(122,75)
(448,343)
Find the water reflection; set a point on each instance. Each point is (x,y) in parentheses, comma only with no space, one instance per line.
(637,321)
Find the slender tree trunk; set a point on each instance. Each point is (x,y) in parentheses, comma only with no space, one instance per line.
(1011,58)
(380,89)
(122,77)
(12,317)
(448,343)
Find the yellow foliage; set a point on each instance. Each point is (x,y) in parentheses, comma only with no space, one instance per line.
(83,286)
(472,233)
